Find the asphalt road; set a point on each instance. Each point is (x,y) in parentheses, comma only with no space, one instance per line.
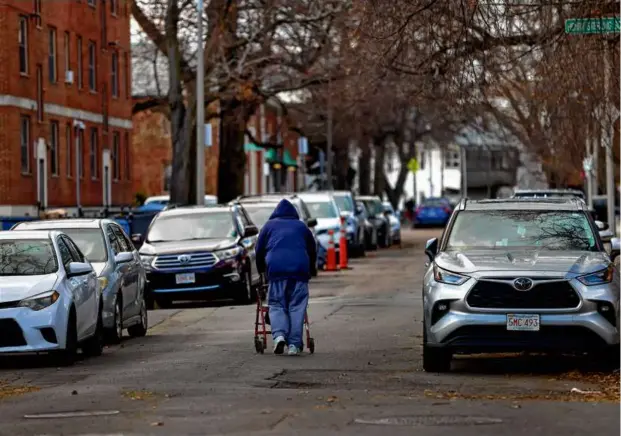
(196,373)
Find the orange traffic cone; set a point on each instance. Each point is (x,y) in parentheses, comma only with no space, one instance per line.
(331,255)
(343,246)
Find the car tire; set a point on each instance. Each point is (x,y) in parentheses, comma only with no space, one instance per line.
(139,330)
(68,356)
(93,346)
(114,335)
(435,359)
(245,290)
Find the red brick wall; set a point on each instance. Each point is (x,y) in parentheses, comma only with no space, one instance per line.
(77,18)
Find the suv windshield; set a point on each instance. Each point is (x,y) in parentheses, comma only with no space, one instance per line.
(542,230)
(322,209)
(549,195)
(374,207)
(27,258)
(208,225)
(90,242)
(259,214)
(344,203)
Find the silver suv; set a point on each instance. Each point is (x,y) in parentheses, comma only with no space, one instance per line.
(519,275)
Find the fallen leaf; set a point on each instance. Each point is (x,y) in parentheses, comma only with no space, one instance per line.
(157,424)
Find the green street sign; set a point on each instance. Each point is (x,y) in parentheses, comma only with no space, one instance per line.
(413,165)
(592,25)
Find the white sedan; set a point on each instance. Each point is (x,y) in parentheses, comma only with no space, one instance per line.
(49,296)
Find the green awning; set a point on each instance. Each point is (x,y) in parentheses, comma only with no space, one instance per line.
(271,155)
(288,160)
(252,147)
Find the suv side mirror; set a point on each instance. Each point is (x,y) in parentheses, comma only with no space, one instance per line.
(602,225)
(251,231)
(615,249)
(78,269)
(136,238)
(431,248)
(311,222)
(124,257)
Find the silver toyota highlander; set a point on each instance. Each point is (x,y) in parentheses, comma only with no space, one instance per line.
(519,275)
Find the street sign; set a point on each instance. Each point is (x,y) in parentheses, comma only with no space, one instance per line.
(302,145)
(413,165)
(592,25)
(208,139)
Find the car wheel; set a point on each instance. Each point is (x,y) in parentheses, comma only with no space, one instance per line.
(68,356)
(93,346)
(435,359)
(139,330)
(114,335)
(245,291)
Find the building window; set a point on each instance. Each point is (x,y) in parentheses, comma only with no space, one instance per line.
(24,142)
(69,150)
(115,74)
(128,77)
(23,45)
(39,93)
(113,7)
(37,11)
(54,148)
(52,69)
(451,159)
(127,158)
(80,64)
(67,53)
(80,156)
(92,3)
(92,61)
(93,155)
(116,156)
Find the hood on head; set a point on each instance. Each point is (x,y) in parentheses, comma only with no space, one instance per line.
(285,210)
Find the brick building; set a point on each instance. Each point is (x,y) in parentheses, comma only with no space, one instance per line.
(65,104)
(265,168)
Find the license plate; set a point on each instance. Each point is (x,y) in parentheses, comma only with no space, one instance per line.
(185,278)
(518,322)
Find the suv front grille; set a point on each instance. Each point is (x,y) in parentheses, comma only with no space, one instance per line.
(548,295)
(189,260)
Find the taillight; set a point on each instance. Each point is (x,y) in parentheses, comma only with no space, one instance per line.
(418,210)
(447,210)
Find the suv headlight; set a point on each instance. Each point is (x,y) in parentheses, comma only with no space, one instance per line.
(598,278)
(228,254)
(40,301)
(103,282)
(447,277)
(147,260)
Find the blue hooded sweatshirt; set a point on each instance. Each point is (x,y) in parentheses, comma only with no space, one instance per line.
(286,247)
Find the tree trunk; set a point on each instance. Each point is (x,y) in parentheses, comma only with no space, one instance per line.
(364,167)
(341,158)
(232,161)
(378,164)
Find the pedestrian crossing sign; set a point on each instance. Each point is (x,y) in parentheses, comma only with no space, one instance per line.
(413,165)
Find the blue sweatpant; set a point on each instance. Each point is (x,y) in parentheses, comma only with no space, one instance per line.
(287,301)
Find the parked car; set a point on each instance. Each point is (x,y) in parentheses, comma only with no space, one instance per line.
(370,231)
(49,300)
(199,253)
(324,209)
(354,222)
(519,275)
(395,223)
(260,207)
(378,218)
(121,277)
(165,200)
(432,212)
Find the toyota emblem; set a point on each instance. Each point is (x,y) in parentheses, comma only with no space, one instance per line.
(522,284)
(184,259)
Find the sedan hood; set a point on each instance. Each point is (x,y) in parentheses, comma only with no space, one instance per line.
(327,223)
(16,288)
(174,247)
(563,262)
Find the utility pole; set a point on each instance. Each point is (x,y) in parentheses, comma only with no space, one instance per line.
(200,112)
(607,140)
(329,137)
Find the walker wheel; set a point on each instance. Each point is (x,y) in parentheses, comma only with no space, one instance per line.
(258,346)
(311,345)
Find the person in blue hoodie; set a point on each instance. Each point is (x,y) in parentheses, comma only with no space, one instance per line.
(286,253)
